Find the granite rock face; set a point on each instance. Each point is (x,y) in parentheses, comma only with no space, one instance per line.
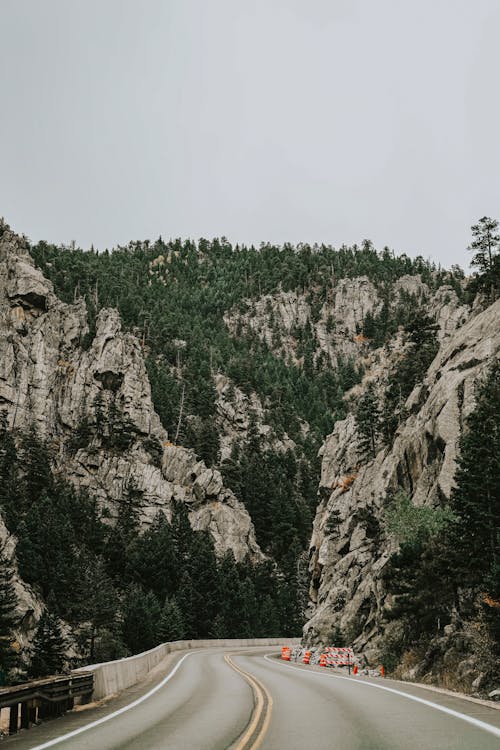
(50,377)
(347,558)
(337,323)
(235,410)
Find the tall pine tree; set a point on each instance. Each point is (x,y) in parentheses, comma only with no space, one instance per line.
(8,620)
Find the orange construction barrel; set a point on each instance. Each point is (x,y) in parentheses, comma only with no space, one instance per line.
(285,653)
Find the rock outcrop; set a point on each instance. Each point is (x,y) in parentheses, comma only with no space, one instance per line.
(336,324)
(235,410)
(349,545)
(81,396)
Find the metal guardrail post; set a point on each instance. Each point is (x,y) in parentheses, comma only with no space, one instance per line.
(14,718)
(25,716)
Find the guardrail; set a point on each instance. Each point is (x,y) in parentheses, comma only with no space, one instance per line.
(34,701)
(112,677)
(31,702)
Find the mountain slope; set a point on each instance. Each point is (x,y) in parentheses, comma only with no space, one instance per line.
(352,541)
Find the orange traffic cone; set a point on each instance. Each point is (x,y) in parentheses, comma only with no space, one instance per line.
(307,657)
(322,660)
(355,669)
(382,671)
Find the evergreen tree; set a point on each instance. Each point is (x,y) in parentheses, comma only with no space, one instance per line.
(8,621)
(270,626)
(141,620)
(171,625)
(421,348)
(485,246)
(46,551)
(35,457)
(202,568)
(367,416)
(421,333)
(48,647)
(184,597)
(153,561)
(122,537)
(98,604)
(9,474)
(187,297)
(476,497)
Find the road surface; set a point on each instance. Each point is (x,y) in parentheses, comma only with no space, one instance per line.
(214,699)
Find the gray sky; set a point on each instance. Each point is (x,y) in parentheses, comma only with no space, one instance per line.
(260,120)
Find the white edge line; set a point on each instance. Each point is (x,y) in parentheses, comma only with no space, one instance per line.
(122,710)
(470,719)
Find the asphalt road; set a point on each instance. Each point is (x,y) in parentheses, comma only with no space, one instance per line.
(215,699)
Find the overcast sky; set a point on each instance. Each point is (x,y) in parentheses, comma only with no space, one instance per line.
(261,120)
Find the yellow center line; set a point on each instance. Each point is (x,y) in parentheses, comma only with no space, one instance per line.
(260,693)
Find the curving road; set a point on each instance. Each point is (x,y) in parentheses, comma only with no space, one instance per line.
(214,699)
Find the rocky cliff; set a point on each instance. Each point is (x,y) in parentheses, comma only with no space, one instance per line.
(93,401)
(347,559)
(335,323)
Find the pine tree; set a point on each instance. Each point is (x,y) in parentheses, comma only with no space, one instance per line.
(476,497)
(486,245)
(202,567)
(171,625)
(35,457)
(9,474)
(141,620)
(98,603)
(152,559)
(123,535)
(8,621)
(184,598)
(48,647)
(367,416)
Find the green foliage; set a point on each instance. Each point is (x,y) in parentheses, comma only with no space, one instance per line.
(448,557)
(48,647)
(111,579)
(413,524)
(125,591)
(141,619)
(184,298)
(476,497)
(420,575)
(8,601)
(422,578)
(421,346)
(171,625)
(367,417)
(486,247)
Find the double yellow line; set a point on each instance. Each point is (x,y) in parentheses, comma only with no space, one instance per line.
(252,737)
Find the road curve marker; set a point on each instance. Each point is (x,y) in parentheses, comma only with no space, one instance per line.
(120,711)
(261,707)
(470,719)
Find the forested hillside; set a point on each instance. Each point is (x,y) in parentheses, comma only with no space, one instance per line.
(174,296)
(121,591)
(128,535)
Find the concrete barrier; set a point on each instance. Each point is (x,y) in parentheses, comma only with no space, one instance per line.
(112,677)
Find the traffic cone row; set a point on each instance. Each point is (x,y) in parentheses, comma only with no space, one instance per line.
(328,658)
